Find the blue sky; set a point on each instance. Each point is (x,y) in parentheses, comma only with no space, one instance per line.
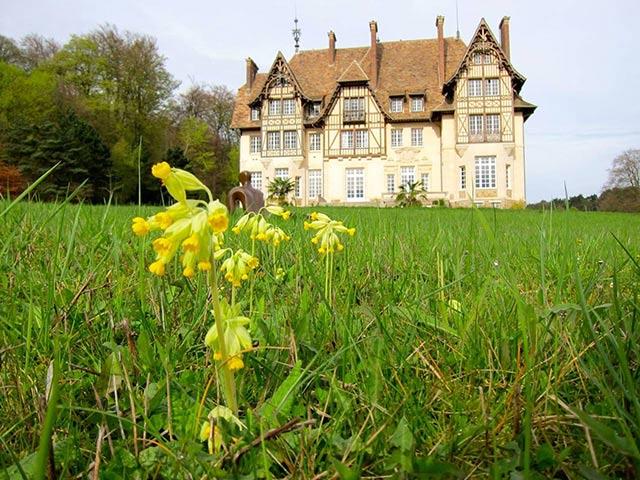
(576,55)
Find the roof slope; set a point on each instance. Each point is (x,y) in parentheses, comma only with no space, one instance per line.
(405,68)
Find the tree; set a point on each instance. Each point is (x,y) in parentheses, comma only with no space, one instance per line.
(9,51)
(36,50)
(410,194)
(625,170)
(280,188)
(620,199)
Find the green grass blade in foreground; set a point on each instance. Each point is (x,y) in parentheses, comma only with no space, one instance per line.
(28,190)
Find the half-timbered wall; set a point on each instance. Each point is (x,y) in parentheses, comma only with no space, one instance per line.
(484,65)
(366,125)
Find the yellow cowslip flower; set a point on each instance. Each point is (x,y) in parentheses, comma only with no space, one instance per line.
(140,226)
(238,266)
(275,235)
(191,244)
(212,435)
(157,268)
(218,216)
(278,211)
(236,336)
(204,266)
(161,170)
(178,181)
(164,219)
(326,236)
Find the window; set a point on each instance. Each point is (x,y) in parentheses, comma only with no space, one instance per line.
(480,58)
(474,87)
(396,104)
(288,106)
(463,177)
(362,139)
(314,142)
(417,104)
(282,173)
(297,188)
(485,172)
(354,109)
(346,140)
(391,183)
(256,143)
(315,183)
(396,137)
(475,125)
(508,176)
(416,137)
(256,180)
(491,87)
(314,109)
(425,181)
(275,107)
(273,140)
(290,139)
(493,125)
(407,175)
(355,183)
(255,113)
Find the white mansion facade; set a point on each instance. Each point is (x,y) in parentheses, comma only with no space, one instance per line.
(351,125)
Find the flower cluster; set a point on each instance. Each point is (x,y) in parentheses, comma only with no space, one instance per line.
(259,229)
(326,236)
(236,336)
(238,266)
(195,226)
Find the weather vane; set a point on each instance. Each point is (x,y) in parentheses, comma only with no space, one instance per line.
(296,33)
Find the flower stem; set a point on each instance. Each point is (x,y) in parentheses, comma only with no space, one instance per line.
(228,381)
(253,254)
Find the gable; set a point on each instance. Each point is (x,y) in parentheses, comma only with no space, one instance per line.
(484,43)
(279,75)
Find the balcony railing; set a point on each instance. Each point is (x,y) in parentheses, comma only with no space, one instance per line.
(353,116)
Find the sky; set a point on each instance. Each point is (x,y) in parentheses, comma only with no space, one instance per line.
(579,57)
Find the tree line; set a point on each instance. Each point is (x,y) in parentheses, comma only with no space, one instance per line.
(103,105)
(621,192)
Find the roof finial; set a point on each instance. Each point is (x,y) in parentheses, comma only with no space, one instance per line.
(457,23)
(296,33)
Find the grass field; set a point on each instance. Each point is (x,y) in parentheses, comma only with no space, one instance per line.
(457,343)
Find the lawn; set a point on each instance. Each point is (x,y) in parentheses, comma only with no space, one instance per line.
(489,343)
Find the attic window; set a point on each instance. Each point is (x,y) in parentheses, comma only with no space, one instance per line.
(255,113)
(417,103)
(314,109)
(482,57)
(396,104)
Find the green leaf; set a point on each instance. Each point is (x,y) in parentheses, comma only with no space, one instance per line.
(282,399)
(402,437)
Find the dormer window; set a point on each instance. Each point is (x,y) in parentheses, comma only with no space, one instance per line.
(396,104)
(314,109)
(255,113)
(417,103)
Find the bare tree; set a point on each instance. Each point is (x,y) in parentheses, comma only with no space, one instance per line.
(9,51)
(37,49)
(625,170)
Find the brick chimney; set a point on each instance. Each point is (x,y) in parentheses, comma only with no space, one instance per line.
(504,37)
(440,26)
(332,47)
(373,52)
(252,69)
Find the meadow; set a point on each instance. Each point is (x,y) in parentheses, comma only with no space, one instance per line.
(456,344)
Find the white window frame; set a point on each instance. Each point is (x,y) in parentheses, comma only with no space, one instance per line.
(485,172)
(491,87)
(275,108)
(290,140)
(396,137)
(256,180)
(315,183)
(407,175)
(492,124)
(474,87)
(462,177)
(424,178)
(314,142)
(255,143)
(417,103)
(354,180)
(391,183)
(361,138)
(396,104)
(354,104)
(273,140)
(297,187)
(416,137)
(476,125)
(346,140)
(255,113)
(288,106)
(282,173)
